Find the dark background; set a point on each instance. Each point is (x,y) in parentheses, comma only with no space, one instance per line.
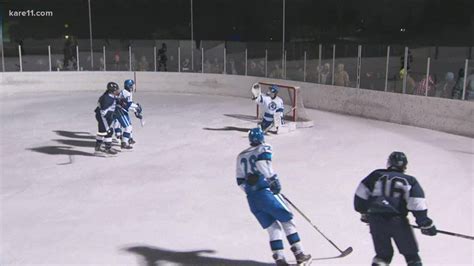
(426,22)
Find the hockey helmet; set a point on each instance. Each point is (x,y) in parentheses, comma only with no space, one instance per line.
(273,91)
(112,87)
(256,136)
(128,84)
(397,160)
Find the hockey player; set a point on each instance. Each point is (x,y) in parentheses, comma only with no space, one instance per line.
(273,106)
(384,198)
(256,177)
(104,114)
(125,105)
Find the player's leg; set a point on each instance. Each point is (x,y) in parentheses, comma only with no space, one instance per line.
(101,133)
(278,209)
(108,137)
(381,237)
(270,224)
(117,130)
(295,242)
(265,124)
(405,241)
(276,243)
(127,134)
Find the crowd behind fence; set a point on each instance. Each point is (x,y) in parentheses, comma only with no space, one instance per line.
(426,71)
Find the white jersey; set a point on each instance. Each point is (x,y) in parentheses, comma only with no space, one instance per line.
(256,160)
(270,106)
(126,101)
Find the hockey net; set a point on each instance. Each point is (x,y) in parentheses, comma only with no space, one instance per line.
(293,101)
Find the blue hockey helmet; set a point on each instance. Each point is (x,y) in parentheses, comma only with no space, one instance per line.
(273,91)
(128,84)
(397,160)
(256,136)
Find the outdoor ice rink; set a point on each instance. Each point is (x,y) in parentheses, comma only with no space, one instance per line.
(173,200)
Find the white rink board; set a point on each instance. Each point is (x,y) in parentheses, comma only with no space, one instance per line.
(176,192)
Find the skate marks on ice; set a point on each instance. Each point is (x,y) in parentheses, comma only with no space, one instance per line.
(154,256)
(76,140)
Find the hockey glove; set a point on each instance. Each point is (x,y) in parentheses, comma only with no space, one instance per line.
(138,115)
(429,230)
(275,185)
(364,218)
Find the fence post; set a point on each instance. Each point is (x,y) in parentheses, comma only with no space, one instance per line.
(179,58)
(266,63)
(304,67)
(105,62)
(19,58)
(154,57)
(77,58)
(465,81)
(359,65)
(427,76)
(49,57)
(319,62)
(225,62)
(130,57)
(405,74)
(333,62)
(246,66)
(386,68)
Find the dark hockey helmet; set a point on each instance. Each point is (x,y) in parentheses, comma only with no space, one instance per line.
(128,84)
(256,136)
(397,160)
(112,87)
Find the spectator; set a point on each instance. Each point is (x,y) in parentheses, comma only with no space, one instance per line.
(216,67)
(426,84)
(117,59)
(446,90)
(261,68)
(162,58)
(341,78)
(186,66)
(324,73)
(411,84)
(276,72)
(410,60)
(207,66)
(143,64)
(232,69)
(458,87)
(470,86)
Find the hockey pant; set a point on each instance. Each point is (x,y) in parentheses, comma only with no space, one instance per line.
(383,229)
(105,130)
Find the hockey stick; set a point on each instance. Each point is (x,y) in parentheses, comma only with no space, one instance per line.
(344,253)
(448,233)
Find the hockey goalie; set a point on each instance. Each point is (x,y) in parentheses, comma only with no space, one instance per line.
(273,109)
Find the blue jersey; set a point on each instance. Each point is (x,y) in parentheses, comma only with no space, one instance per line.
(390,192)
(106,106)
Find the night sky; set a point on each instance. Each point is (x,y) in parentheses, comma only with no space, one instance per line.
(424,21)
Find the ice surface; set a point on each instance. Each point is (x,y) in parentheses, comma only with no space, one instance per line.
(174,199)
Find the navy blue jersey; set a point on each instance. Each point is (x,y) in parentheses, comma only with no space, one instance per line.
(390,192)
(106,106)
